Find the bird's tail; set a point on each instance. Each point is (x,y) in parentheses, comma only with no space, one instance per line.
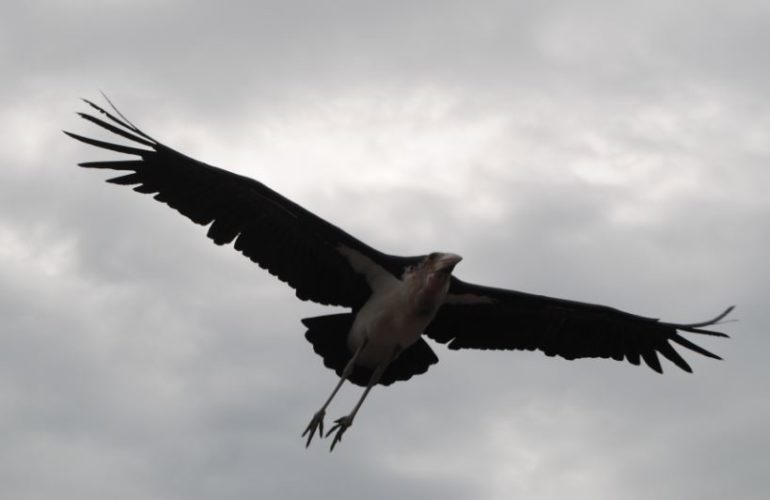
(329,334)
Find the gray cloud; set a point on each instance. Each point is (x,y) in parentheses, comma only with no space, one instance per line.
(607,153)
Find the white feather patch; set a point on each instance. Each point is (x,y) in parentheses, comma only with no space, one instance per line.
(376,276)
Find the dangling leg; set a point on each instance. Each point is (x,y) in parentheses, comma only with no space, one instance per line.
(342,424)
(317,422)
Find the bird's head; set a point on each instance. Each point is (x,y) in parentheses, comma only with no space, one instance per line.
(430,278)
(441,264)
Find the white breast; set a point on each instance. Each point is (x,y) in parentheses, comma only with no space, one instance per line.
(390,319)
(387,322)
(394,318)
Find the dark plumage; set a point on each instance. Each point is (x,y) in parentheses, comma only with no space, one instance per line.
(392,299)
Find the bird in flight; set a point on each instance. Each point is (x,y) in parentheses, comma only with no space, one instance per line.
(393,301)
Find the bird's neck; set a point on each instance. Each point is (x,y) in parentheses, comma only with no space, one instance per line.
(429,293)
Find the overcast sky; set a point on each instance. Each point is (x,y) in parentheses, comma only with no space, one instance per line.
(609,152)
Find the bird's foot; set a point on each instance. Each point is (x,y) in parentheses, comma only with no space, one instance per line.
(340,425)
(316,423)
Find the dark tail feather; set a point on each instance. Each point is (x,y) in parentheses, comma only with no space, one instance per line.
(328,334)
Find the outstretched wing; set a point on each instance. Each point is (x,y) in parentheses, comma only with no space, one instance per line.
(478,317)
(320,261)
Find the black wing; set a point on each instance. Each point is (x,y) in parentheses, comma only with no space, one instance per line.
(478,317)
(295,245)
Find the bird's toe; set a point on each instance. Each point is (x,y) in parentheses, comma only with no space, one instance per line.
(316,423)
(340,425)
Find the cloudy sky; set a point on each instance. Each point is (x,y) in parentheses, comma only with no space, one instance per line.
(611,152)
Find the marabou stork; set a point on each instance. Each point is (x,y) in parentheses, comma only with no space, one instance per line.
(393,300)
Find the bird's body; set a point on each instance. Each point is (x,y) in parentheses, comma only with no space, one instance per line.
(385,323)
(397,313)
(393,301)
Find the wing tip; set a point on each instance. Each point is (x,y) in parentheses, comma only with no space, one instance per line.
(700,327)
(713,321)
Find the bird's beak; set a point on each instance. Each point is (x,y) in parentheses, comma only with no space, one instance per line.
(446,263)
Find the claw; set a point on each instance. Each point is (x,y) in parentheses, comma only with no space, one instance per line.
(316,423)
(340,425)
